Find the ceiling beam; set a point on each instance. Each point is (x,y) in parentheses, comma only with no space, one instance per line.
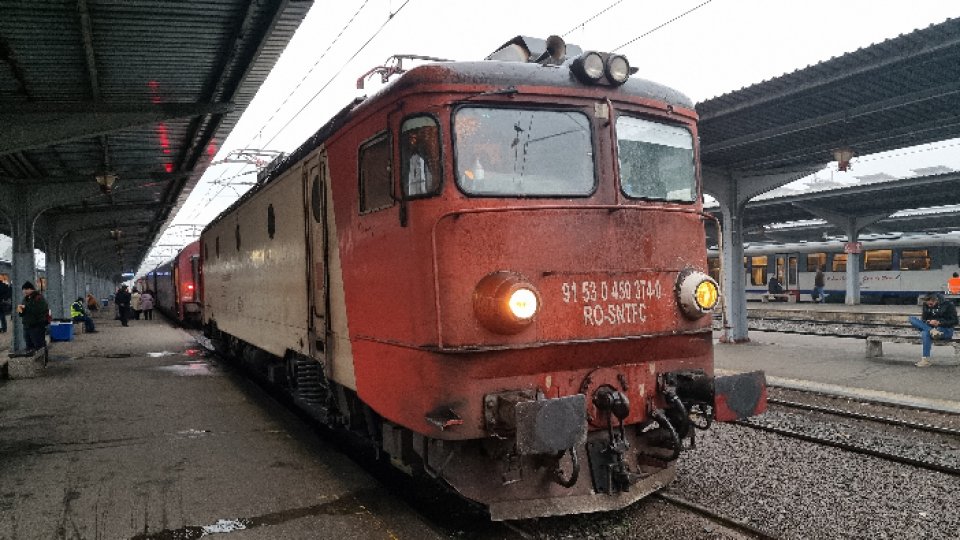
(36,125)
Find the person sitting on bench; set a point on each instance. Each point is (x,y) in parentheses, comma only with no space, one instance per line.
(936,322)
(775,286)
(78,315)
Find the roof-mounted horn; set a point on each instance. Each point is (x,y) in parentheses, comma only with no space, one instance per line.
(553,50)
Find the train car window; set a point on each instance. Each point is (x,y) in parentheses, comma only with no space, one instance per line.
(758,274)
(375,187)
(878,259)
(840,262)
(915,259)
(523,152)
(217,247)
(238,237)
(206,253)
(316,199)
(816,261)
(420,169)
(656,160)
(271,222)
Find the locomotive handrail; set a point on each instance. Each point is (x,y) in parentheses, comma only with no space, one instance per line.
(503,209)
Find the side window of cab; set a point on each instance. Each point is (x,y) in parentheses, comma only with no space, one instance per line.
(375,187)
(420,160)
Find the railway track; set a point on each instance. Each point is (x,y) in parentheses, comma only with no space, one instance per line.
(840,438)
(714,516)
(919,426)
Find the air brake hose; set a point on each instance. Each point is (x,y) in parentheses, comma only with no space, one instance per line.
(661,417)
(673,398)
(574,474)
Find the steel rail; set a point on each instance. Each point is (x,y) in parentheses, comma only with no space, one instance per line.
(920,464)
(728,522)
(863,416)
(881,403)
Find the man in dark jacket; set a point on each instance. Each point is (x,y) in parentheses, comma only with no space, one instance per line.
(936,322)
(122,299)
(6,302)
(34,311)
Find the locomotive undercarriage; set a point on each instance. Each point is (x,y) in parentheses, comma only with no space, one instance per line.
(541,458)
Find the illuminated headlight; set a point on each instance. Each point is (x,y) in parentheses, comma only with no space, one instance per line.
(505,302)
(618,69)
(588,67)
(697,293)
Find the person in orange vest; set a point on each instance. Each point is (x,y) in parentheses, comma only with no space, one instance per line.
(953,284)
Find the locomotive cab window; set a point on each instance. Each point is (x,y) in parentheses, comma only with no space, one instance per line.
(523,152)
(376,191)
(656,160)
(420,170)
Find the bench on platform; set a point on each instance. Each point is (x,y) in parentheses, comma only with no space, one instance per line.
(875,344)
(780,297)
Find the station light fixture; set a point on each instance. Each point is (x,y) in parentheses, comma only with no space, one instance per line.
(843,155)
(106,180)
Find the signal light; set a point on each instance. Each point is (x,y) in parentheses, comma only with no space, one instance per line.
(697,293)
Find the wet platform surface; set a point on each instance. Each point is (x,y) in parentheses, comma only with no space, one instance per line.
(132,433)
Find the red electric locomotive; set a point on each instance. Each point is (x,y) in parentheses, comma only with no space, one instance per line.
(176,284)
(494,270)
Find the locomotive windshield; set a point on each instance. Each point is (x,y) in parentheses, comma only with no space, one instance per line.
(523,152)
(656,160)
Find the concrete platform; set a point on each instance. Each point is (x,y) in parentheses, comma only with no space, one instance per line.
(130,433)
(864,313)
(839,366)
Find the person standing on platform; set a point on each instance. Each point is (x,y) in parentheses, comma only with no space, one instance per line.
(953,284)
(936,322)
(146,304)
(6,303)
(135,304)
(818,285)
(122,298)
(36,316)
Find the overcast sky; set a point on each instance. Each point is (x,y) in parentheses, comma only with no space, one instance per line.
(718,47)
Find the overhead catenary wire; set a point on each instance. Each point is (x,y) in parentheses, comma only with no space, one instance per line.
(207,200)
(591,18)
(658,27)
(390,17)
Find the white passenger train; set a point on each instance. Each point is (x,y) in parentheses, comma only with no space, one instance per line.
(894,268)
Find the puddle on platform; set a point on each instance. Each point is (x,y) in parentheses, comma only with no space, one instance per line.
(193,433)
(160,354)
(347,505)
(192,368)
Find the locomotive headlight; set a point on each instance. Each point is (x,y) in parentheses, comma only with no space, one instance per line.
(505,302)
(588,67)
(697,293)
(618,69)
(523,303)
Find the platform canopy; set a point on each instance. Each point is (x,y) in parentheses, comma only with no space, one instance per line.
(140,93)
(901,92)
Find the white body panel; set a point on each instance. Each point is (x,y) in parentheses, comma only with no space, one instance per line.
(259,291)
